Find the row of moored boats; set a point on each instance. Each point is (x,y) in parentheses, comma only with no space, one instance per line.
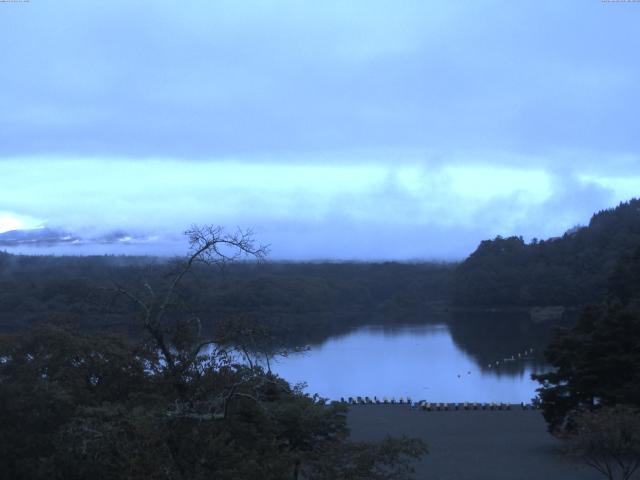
(434,406)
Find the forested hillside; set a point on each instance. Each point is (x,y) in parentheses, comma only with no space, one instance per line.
(570,270)
(77,405)
(292,299)
(599,358)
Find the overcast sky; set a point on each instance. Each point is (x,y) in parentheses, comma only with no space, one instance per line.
(336,129)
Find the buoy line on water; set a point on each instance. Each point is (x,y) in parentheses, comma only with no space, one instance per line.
(520,356)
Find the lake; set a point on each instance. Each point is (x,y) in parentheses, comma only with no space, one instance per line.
(430,362)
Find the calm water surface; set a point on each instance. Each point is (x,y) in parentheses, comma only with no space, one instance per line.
(419,361)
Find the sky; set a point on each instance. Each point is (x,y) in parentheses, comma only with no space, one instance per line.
(361,130)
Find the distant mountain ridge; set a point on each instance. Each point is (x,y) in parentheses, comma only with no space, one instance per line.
(570,270)
(36,236)
(45,236)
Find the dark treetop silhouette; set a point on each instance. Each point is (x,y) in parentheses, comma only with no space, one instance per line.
(78,406)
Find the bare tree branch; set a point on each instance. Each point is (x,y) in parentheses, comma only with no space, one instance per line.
(209,245)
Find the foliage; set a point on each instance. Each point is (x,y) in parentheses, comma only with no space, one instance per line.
(597,363)
(79,406)
(608,440)
(327,298)
(568,270)
(175,405)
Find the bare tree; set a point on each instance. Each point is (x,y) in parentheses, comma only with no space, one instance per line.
(608,440)
(209,245)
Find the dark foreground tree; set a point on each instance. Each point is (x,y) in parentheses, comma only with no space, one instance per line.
(608,440)
(175,406)
(592,397)
(597,363)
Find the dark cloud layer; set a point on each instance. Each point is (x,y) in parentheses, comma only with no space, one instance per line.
(374,129)
(208,79)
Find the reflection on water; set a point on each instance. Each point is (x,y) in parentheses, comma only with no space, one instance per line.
(419,361)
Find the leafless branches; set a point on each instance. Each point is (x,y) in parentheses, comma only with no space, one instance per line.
(212,245)
(209,245)
(186,361)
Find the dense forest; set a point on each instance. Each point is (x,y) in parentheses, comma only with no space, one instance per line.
(597,361)
(298,302)
(571,270)
(79,399)
(305,302)
(77,405)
